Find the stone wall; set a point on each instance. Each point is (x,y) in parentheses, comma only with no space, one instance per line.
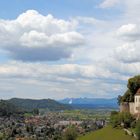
(132,107)
(124,107)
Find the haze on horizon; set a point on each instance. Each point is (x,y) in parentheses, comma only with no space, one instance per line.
(59,49)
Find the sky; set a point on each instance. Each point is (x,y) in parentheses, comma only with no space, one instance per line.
(68,48)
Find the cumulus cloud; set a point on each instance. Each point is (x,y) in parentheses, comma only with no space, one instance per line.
(128,53)
(34,37)
(129,32)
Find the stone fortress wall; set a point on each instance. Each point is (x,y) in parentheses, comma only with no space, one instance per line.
(124,107)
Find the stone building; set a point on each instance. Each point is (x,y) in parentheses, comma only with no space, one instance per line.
(132,107)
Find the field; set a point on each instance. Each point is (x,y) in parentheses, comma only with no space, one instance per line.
(87,114)
(107,133)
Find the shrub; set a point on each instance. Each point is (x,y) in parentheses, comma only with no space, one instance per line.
(138,129)
(70,134)
(117,119)
(133,124)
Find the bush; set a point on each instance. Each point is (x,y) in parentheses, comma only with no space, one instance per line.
(133,124)
(70,134)
(138,129)
(117,119)
(126,118)
(114,120)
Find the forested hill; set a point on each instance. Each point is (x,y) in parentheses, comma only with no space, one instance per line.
(40,104)
(8,109)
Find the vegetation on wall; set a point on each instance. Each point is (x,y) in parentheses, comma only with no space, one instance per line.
(124,119)
(133,85)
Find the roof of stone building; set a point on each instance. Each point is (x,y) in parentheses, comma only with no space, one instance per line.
(138,92)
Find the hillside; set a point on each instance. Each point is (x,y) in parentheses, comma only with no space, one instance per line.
(8,109)
(91,102)
(107,133)
(41,104)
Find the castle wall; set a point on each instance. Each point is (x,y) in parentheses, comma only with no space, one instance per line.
(132,107)
(124,107)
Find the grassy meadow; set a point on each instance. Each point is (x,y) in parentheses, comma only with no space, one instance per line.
(89,114)
(107,133)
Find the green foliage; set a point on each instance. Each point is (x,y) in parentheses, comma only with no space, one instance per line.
(114,113)
(121,119)
(36,111)
(114,119)
(70,134)
(119,99)
(8,109)
(133,124)
(137,130)
(126,118)
(127,97)
(1,136)
(133,85)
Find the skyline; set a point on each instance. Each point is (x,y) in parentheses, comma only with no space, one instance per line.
(60,49)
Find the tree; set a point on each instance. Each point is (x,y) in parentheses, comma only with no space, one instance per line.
(133,85)
(36,111)
(119,99)
(71,133)
(114,119)
(138,129)
(114,113)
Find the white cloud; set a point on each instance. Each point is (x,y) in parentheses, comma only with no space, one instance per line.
(58,81)
(128,53)
(108,3)
(90,20)
(95,71)
(129,50)
(129,32)
(34,37)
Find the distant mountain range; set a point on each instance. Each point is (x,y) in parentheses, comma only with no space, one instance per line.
(17,105)
(30,104)
(90,102)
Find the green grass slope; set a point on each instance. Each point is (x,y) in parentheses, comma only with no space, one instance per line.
(107,133)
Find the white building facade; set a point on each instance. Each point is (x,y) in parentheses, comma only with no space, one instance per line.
(132,107)
(137,102)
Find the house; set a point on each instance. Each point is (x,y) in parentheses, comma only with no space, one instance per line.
(132,107)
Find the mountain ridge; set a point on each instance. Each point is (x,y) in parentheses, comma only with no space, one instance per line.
(39,103)
(91,102)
